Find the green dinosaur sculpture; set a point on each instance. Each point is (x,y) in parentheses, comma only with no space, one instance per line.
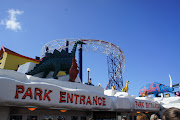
(58,61)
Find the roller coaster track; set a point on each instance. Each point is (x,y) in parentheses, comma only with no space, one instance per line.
(115,56)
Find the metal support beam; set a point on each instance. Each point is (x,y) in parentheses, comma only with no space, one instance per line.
(80,63)
(67,45)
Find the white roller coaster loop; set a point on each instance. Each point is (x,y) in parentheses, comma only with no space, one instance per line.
(91,46)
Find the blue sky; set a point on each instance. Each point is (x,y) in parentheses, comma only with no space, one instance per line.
(147,31)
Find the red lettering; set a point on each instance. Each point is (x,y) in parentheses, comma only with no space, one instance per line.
(38,92)
(152,105)
(69,98)
(62,97)
(76,98)
(104,101)
(157,106)
(47,95)
(19,89)
(146,105)
(88,100)
(28,93)
(142,104)
(82,99)
(100,101)
(95,100)
(136,103)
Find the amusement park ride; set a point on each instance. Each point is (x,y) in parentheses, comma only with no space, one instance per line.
(115,61)
(115,56)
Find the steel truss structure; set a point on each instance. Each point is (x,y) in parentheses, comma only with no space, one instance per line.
(115,56)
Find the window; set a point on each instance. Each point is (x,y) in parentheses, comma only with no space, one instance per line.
(74,117)
(121,116)
(130,118)
(1,57)
(16,117)
(32,117)
(83,117)
(61,118)
(48,118)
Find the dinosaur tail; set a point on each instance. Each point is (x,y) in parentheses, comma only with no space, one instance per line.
(36,70)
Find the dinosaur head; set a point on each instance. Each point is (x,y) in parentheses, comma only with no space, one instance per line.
(80,42)
(169,89)
(164,88)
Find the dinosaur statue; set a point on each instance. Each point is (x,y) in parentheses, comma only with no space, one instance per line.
(154,88)
(58,61)
(125,89)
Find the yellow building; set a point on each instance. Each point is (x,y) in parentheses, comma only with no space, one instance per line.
(11,60)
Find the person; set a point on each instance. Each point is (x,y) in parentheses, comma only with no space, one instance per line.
(141,116)
(123,118)
(154,117)
(171,114)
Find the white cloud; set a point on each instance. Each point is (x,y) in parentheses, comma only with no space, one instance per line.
(12,23)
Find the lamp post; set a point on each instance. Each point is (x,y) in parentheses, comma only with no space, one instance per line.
(88,69)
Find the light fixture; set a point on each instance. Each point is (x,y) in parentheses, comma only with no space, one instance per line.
(88,69)
(63,110)
(146,112)
(138,112)
(32,109)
